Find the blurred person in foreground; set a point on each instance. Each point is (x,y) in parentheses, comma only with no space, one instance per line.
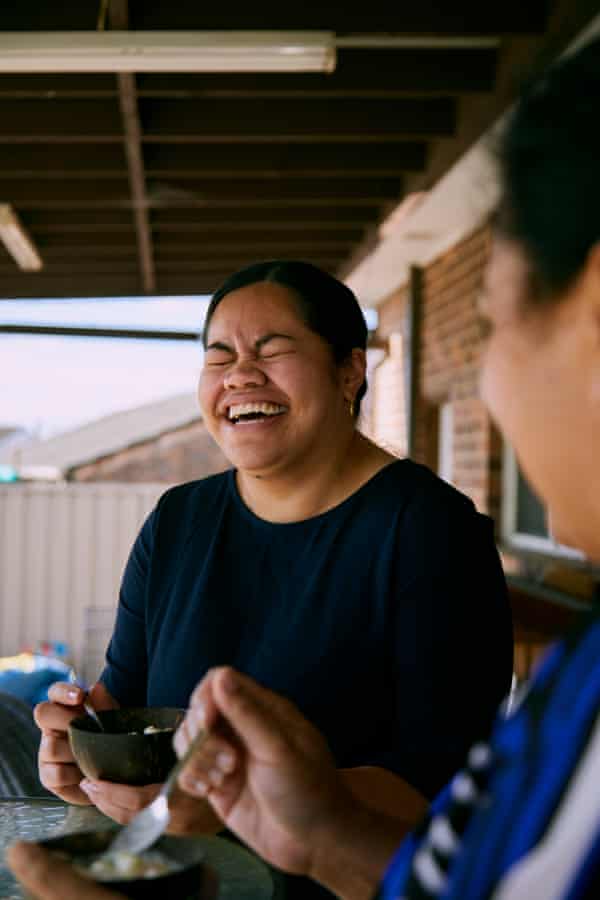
(522,820)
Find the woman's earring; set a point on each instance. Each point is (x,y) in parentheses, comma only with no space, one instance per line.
(352,409)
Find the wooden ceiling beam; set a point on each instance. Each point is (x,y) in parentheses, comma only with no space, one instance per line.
(99,119)
(69,163)
(59,86)
(212,237)
(137,178)
(232,264)
(94,253)
(118,14)
(86,268)
(83,232)
(114,237)
(202,220)
(69,159)
(266,119)
(219,161)
(101,285)
(226,264)
(207,241)
(245,173)
(292,216)
(82,235)
(109,285)
(61,139)
(237,256)
(191,253)
(238,121)
(426,17)
(204,193)
(79,259)
(76,218)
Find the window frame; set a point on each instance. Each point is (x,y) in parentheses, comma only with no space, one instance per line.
(445,442)
(520,541)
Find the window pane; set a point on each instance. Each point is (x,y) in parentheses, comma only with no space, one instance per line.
(531,515)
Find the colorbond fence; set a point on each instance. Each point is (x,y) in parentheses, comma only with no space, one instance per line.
(63,548)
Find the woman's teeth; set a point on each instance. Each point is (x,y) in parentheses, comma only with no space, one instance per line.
(253,410)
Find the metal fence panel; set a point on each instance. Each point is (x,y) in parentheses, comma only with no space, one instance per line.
(62,552)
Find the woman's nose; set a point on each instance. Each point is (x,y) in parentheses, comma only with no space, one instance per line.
(245,373)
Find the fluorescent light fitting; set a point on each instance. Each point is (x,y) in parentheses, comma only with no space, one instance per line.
(167,51)
(16,240)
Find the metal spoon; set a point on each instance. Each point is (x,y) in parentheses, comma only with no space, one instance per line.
(150,823)
(73,679)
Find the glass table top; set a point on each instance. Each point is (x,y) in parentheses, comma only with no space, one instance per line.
(242,876)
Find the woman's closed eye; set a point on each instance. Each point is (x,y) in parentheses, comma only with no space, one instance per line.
(275,347)
(272,353)
(217,358)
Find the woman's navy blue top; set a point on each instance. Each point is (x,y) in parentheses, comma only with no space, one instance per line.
(385,619)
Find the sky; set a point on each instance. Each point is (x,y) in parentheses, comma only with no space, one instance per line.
(53,384)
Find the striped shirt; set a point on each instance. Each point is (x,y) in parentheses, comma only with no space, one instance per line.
(521,821)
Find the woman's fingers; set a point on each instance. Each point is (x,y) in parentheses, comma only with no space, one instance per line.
(256,721)
(56,776)
(120,802)
(55,718)
(209,749)
(48,877)
(63,779)
(209,768)
(188,815)
(57,769)
(55,749)
(213,760)
(66,694)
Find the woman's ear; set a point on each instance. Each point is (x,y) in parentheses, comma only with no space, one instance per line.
(354,371)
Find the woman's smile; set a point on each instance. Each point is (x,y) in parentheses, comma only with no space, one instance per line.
(254,412)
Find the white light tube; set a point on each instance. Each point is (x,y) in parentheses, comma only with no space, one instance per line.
(167,51)
(16,240)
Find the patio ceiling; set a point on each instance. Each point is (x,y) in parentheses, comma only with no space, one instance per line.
(165,183)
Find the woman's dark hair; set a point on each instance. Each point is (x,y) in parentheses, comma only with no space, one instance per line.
(550,160)
(325,305)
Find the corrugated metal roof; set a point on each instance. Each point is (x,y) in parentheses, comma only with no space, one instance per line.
(107,435)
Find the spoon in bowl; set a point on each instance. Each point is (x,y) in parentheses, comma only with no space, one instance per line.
(73,679)
(149,824)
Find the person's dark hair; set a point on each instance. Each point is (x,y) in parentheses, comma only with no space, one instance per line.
(550,162)
(325,305)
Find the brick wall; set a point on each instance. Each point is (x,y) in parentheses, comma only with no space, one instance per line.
(449,369)
(181,455)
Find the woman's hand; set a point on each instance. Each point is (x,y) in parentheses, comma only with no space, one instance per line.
(122,802)
(47,877)
(266,771)
(57,767)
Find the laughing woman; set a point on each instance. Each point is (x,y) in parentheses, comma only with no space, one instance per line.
(361,586)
